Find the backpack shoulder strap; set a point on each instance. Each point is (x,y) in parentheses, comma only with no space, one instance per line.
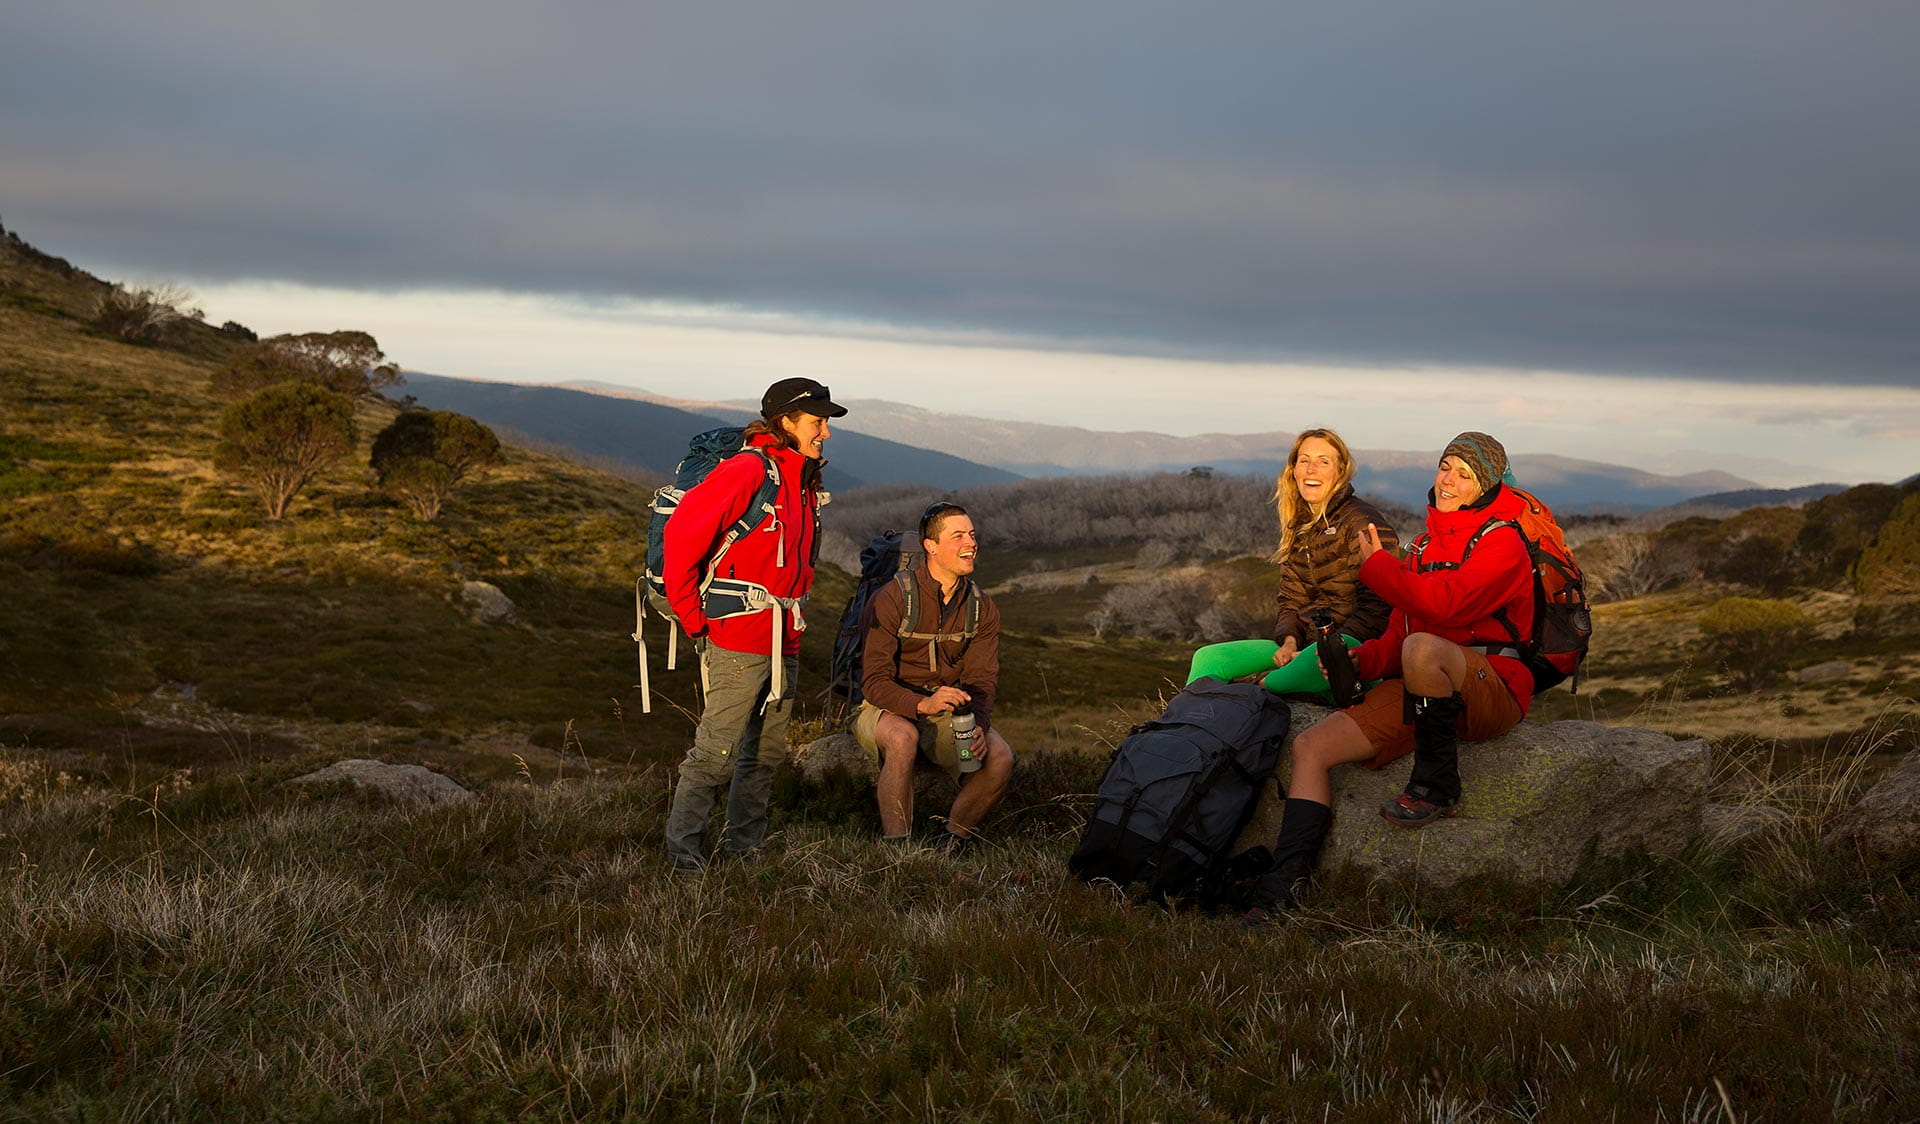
(759,508)
(764,496)
(1526,542)
(1494,525)
(909,603)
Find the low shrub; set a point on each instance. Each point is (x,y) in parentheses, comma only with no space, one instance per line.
(143,313)
(1754,636)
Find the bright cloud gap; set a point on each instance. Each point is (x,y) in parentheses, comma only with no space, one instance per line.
(1769,432)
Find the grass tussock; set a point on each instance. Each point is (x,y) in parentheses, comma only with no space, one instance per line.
(235,948)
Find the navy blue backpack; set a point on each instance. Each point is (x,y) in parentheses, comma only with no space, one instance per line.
(1179,790)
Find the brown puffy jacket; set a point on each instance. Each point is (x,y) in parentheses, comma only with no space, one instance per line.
(1323,571)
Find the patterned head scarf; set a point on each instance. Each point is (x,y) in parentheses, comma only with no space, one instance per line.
(1487,457)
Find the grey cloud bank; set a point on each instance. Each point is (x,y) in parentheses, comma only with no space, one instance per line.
(1719,190)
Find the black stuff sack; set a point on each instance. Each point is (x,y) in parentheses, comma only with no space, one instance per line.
(1179,790)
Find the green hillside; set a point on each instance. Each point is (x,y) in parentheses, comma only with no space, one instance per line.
(131,567)
(149,611)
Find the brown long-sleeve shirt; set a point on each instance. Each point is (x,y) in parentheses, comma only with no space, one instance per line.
(894,673)
(1323,571)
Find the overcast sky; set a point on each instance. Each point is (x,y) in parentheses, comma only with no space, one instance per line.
(1699,218)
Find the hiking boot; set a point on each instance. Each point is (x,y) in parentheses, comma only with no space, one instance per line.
(1280,891)
(954,845)
(682,865)
(1408,810)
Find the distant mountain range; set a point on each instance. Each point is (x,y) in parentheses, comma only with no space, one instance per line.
(1767,497)
(651,436)
(1040,449)
(881,442)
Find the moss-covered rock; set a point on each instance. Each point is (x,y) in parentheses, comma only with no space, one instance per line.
(1540,800)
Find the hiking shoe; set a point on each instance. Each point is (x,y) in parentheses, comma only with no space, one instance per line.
(1279,892)
(953,845)
(680,864)
(1408,810)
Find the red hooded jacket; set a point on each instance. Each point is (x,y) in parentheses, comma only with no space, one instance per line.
(1456,604)
(777,554)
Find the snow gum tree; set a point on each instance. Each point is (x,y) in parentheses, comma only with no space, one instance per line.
(349,363)
(280,438)
(425,454)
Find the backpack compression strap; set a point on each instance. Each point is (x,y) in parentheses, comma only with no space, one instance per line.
(639,624)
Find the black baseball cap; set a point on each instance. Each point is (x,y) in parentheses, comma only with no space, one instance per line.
(799,394)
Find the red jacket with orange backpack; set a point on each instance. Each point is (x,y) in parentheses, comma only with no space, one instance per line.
(1481,598)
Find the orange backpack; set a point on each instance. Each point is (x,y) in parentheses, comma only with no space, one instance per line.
(1562,623)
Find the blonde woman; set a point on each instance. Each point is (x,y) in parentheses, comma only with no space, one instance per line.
(1322,524)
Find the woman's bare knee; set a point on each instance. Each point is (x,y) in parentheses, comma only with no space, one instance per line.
(1423,649)
(1334,740)
(1432,664)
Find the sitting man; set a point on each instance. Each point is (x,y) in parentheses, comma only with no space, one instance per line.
(914,677)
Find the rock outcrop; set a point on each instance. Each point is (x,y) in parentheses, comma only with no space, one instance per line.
(841,752)
(488,604)
(1828,672)
(1886,822)
(1540,800)
(412,783)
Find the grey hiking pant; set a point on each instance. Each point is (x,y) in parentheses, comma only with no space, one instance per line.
(735,742)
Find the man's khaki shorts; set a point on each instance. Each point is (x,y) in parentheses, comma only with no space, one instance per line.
(1490,711)
(936,736)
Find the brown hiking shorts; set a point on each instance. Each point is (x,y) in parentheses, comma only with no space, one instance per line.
(1489,711)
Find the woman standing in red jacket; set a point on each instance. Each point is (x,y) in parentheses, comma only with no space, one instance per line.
(742,608)
(1448,665)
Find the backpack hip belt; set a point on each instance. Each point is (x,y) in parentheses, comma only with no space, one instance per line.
(720,598)
(1509,651)
(723,598)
